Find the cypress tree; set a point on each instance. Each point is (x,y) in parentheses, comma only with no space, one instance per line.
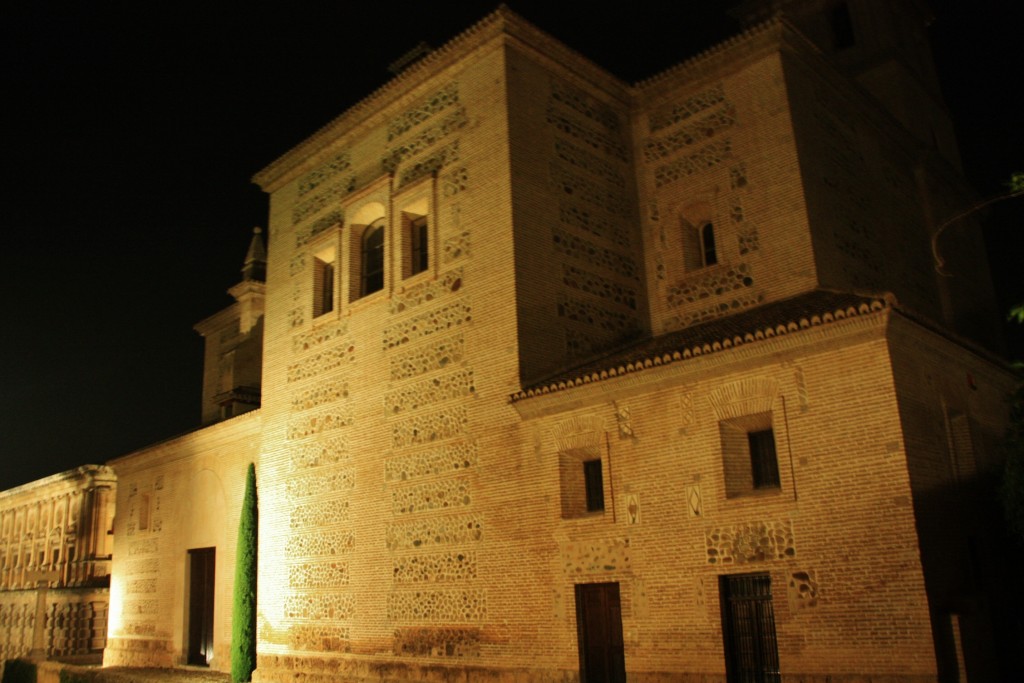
(243,615)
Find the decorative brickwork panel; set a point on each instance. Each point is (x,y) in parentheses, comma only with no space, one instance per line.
(297,264)
(321,363)
(802,590)
(579,344)
(437,568)
(677,112)
(456,247)
(440,606)
(592,163)
(705,158)
(598,285)
(140,586)
(431,164)
(751,542)
(437,642)
(433,532)
(145,566)
(690,134)
(437,356)
(437,495)
(571,214)
(425,109)
(321,606)
(424,429)
(320,544)
(319,638)
(303,236)
(319,394)
(593,254)
(325,421)
(597,316)
(320,483)
(429,392)
(738,176)
(435,321)
(146,547)
(594,139)
(322,198)
(426,292)
(319,514)
(337,164)
(323,452)
(748,239)
(451,457)
(595,557)
(323,575)
(425,139)
(146,606)
(454,182)
(321,334)
(580,102)
(732,305)
(584,189)
(715,281)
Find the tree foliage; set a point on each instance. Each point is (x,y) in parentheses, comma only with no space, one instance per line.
(243,615)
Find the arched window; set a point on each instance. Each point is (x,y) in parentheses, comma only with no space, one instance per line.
(372,262)
(699,250)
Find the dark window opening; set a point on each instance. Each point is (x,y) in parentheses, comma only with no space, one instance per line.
(842,26)
(419,244)
(323,285)
(764,463)
(709,256)
(594,482)
(372,272)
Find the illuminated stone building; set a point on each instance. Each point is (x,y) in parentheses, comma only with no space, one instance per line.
(565,377)
(55,550)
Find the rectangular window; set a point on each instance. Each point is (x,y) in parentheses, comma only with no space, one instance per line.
(323,286)
(419,244)
(749,459)
(594,482)
(764,464)
(748,627)
(581,476)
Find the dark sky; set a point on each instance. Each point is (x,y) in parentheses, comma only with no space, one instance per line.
(130,136)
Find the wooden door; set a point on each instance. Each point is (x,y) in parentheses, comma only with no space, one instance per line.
(599,626)
(200,605)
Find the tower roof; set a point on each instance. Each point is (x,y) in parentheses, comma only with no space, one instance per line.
(255,267)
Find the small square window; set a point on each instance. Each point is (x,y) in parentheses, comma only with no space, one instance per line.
(749,457)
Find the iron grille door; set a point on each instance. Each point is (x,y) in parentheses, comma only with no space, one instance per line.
(748,625)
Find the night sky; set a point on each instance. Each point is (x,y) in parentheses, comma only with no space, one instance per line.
(130,136)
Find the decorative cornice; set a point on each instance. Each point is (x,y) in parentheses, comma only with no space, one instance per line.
(684,350)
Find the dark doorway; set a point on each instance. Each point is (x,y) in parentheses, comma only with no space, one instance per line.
(200,605)
(599,626)
(748,626)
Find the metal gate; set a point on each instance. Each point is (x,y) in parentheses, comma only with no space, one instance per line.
(748,626)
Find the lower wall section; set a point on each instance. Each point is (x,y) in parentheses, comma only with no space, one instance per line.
(300,669)
(140,652)
(74,626)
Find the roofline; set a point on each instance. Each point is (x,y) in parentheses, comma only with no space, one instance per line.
(865,308)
